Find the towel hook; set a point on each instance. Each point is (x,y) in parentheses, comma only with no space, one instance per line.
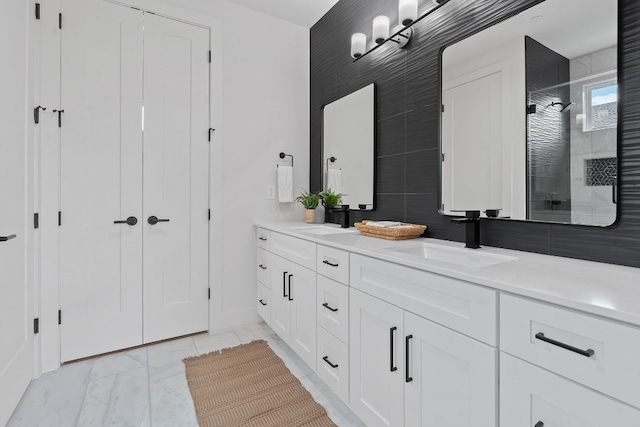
(283,155)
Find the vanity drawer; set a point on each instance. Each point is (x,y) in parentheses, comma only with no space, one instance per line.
(461,306)
(333,363)
(297,250)
(263,261)
(264,305)
(333,263)
(263,238)
(603,354)
(333,307)
(531,396)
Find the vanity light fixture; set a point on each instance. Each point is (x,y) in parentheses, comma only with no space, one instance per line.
(408,14)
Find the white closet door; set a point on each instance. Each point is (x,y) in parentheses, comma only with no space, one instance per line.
(101,179)
(16,299)
(176,174)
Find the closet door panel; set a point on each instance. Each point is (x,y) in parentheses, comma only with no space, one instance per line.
(101,154)
(176,173)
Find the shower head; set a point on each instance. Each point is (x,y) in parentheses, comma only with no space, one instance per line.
(565,107)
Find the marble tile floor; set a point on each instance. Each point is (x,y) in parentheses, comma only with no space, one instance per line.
(146,386)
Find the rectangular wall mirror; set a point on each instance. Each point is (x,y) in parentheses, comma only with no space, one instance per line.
(348,145)
(529,120)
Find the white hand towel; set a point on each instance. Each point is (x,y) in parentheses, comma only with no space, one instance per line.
(334,180)
(384,224)
(285,184)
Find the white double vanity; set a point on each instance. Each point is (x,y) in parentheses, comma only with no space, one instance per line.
(425,332)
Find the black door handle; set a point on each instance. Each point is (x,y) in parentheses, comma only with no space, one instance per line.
(262,302)
(330,263)
(407,356)
(153,220)
(328,307)
(290,276)
(284,284)
(9,237)
(392,368)
(539,424)
(326,359)
(262,266)
(132,220)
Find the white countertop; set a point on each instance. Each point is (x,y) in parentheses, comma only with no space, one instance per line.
(607,290)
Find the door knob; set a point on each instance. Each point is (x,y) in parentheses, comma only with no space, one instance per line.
(153,220)
(9,237)
(132,220)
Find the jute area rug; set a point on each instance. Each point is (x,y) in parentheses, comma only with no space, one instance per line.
(249,385)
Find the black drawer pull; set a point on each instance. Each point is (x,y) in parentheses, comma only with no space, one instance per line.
(284,284)
(539,424)
(262,302)
(407,355)
(328,307)
(330,263)
(326,359)
(6,238)
(262,267)
(588,352)
(391,367)
(290,276)
(153,220)
(132,220)
(264,239)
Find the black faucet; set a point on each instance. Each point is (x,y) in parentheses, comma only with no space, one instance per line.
(472,232)
(338,214)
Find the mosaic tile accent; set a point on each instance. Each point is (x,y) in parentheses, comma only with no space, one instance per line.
(601,171)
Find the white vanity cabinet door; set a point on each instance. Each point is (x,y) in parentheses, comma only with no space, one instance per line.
(264,308)
(263,238)
(449,379)
(333,263)
(301,290)
(297,250)
(332,306)
(376,361)
(263,261)
(280,304)
(333,363)
(533,397)
(612,368)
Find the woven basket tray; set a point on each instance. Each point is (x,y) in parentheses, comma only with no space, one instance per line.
(406,231)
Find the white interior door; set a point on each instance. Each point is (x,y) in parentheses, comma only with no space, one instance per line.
(472,145)
(176,176)
(16,335)
(101,178)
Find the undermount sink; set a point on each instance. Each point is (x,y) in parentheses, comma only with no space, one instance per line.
(464,257)
(322,230)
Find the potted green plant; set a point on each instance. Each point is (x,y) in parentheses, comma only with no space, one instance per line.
(310,202)
(330,199)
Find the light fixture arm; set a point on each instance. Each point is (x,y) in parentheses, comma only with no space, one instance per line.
(403,29)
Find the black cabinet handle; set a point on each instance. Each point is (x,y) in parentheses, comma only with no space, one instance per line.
(326,359)
(9,237)
(330,263)
(588,352)
(262,267)
(132,220)
(326,305)
(262,302)
(284,284)
(539,424)
(153,220)
(391,367)
(264,239)
(407,354)
(290,276)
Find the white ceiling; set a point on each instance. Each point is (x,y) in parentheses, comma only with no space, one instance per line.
(300,12)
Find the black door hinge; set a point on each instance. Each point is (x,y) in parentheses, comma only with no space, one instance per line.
(59,317)
(37,10)
(36,325)
(36,220)
(59,218)
(60,20)
(209,214)
(531,109)
(209,56)
(442,157)
(209,293)
(442,108)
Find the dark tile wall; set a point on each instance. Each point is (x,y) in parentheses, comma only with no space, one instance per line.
(408,124)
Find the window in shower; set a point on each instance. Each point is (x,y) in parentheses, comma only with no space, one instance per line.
(601,105)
